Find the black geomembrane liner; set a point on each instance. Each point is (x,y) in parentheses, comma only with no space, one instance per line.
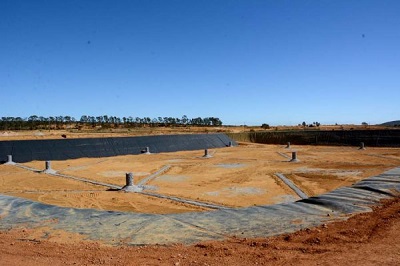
(63,149)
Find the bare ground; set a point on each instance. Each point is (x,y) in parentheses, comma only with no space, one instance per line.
(239,177)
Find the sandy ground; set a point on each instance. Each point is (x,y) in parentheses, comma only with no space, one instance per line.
(365,239)
(70,193)
(235,177)
(98,132)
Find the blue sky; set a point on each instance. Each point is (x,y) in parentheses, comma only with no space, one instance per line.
(277,62)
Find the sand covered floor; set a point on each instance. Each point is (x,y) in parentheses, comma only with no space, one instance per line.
(233,177)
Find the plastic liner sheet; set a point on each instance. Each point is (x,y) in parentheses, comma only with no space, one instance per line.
(117,228)
(63,149)
(373,138)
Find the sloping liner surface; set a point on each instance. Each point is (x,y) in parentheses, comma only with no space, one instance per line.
(136,229)
(63,149)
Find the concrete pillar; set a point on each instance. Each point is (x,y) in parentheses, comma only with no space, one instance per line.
(362,147)
(129,179)
(230,144)
(9,160)
(294,157)
(147,150)
(288,145)
(47,165)
(48,169)
(206,155)
(130,186)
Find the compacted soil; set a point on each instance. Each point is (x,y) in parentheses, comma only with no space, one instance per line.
(235,177)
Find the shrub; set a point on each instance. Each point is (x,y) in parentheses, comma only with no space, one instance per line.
(265,126)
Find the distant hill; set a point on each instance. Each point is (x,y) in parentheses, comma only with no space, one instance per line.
(391,123)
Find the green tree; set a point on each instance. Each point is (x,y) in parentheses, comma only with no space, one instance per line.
(265,126)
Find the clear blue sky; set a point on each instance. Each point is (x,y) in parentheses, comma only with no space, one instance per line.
(277,62)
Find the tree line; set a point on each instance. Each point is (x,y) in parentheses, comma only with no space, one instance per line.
(34,122)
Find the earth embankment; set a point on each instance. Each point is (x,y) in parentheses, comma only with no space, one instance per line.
(373,138)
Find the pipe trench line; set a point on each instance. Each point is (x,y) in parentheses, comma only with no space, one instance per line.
(68,177)
(163,169)
(290,184)
(284,155)
(187,201)
(27,168)
(86,181)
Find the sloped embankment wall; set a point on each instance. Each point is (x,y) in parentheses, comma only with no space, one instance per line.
(63,149)
(376,138)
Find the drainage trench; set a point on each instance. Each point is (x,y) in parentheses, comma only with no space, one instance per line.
(144,181)
(290,184)
(187,201)
(284,155)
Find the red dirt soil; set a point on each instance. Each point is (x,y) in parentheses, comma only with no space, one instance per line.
(368,239)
